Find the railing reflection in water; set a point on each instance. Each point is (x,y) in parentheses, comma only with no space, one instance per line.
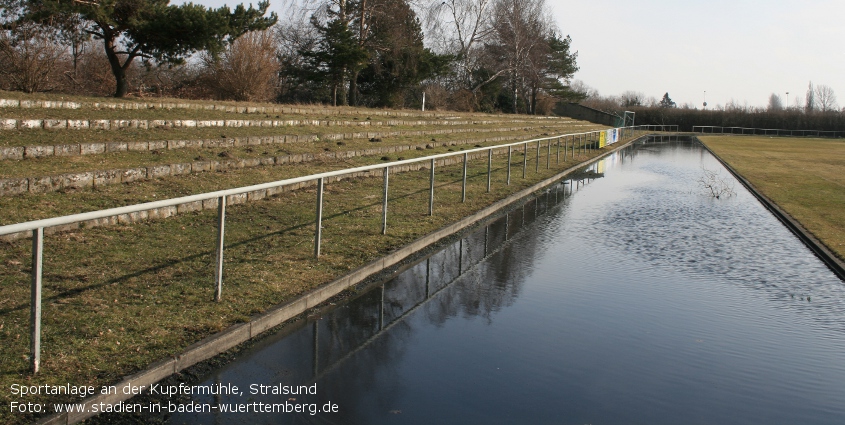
(341,332)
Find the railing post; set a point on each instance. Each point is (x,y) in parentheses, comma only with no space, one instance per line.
(431,191)
(510,150)
(549,155)
(384,204)
(35,303)
(221,229)
(524,158)
(558,151)
(489,167)
(464,184)
(537,166)
(318,231)
(574,144)
(564,148)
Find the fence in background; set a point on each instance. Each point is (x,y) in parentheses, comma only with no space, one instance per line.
(710,129)
(567,144)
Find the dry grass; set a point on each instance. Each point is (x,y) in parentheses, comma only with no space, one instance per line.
(804,176)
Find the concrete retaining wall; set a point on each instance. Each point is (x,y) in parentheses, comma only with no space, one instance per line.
(301,110)
(21,152)
(50,104)
(51,124)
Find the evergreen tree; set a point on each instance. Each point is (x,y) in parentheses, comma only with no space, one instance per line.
(335,59)
(552,68)
(151,29)
(398,59)
(666,102)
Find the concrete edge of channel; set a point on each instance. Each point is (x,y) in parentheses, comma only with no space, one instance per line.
(818,248)
(275,316)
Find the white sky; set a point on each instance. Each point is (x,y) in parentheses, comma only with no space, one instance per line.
(743,50)
(740,50)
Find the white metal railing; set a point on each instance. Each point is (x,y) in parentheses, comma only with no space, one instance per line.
(584,141)
(712,129)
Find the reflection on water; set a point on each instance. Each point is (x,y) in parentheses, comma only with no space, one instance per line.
(625,294)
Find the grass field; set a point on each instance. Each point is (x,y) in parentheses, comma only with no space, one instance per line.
(804,176)
(118,298)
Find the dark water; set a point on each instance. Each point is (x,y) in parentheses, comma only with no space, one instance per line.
(629,296)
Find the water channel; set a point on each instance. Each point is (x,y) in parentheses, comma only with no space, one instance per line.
(624,295)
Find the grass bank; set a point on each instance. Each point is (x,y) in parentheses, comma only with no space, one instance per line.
(803,176)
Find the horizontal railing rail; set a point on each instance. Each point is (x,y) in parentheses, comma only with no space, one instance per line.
(712,129)
(581,141)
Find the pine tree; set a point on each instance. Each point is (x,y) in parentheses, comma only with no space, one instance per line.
(398,58)
(556,69)
(666,102)
(151,29)
(337,56)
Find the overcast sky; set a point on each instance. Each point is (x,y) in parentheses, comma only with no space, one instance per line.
(743,50)
(740,50)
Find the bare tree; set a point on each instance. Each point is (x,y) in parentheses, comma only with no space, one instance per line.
(30,58)
(71,32)
(247,70)
(717,185)
(632,98)
(519,27)
(594,99)
(294,32)
(294,35)
(582,87)
(457,27)
(795,104)
(825,98)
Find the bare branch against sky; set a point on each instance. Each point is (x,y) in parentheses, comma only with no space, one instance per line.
(738,51)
